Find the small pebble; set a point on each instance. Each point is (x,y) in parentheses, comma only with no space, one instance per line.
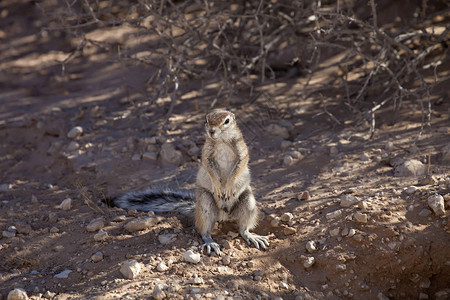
(289,230)
(96,224)
(305,196)
(17,294)
(63,274)
(162,267)
(286,217)
(66,204)
(311,247)
(101,236)
(226,260)
(75,132)
(436,203)
(98,256)
(360,217)
(191,257)
(130,269)
(309,262)
(411,189)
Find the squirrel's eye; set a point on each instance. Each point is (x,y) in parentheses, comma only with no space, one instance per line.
(226,121)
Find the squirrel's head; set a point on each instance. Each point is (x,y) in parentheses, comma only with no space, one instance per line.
(220,124)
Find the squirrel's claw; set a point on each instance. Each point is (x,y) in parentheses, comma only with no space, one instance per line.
(257,240)
(210,244)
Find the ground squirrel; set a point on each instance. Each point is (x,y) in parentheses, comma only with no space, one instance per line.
(223,191)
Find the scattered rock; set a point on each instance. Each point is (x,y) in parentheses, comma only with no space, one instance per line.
(333,214)
(162,267)
(158,291)
(66,204)
(152,156)
(411,167)
(169,155)
(196,280)
(284,286)
(278,131)
(360,217)
(226,260)
(289,231)
(364,157)
(275,222)
(8,234)
(17,294)
(444,129)
(73,146)
(141,223)
(96,224)
(101,236)
(333,151)
(34,199)
(191,257)
(5,187)
(341,267)
(168,238)
(334,232)
(63,274)
(75,132)
(311,247)
(411,189)
(136,157)
(309,262)
(425,212)
(98,256)
(389,146)
(436,203)
(305,196)
(286,217)
(446,152)
(23,228)
(348,200)
(288,160)
(130,269)
(428,180)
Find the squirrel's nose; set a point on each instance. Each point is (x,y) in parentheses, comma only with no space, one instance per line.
(211,131)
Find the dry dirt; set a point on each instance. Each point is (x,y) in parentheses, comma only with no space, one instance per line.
(399,253)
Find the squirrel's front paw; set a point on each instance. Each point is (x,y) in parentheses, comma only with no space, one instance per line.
(258,240)
(210,244)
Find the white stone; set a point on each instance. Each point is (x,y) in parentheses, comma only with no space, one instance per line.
(101,236)
(341,267)
(168,238)
(286,217)
(360,217)
(351,232)
(158,291)
(334,232)
(411,189)
(284,286)
(436,203)
(411,167)
(288,160)
(309,262)
(96,224)
(141,223)
(191,257)
(17,294)
(63,274)
(311,247)
(275,222)
(333,214)
(348,200)
(130,269)
(162,267)
(66,204)
(75,132)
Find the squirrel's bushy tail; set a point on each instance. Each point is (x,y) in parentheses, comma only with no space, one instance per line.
(157,200)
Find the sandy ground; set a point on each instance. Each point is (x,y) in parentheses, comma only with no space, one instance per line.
(400,252)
